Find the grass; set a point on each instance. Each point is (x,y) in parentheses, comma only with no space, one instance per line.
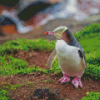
(8,86)
(87,31)
(4,87)
(4,95)
(92,96)
(50,81)
(26,45)
(90,43)
(10,65)
(30,83)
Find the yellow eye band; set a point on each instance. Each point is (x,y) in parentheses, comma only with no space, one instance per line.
(60,29)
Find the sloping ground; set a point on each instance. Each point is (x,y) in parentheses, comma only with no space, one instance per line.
(34,58)
(26,78)
(27,84)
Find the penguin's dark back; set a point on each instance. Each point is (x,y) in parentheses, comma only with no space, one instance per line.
(75,43)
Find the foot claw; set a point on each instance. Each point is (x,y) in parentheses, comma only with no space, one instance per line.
(64,79)
(77,82)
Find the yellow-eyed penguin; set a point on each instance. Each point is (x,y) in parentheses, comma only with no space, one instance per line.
(71,56)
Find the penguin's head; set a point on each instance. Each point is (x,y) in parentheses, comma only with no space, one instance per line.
(57,32)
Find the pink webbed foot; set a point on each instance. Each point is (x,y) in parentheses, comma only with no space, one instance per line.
(64,79)
(77,82)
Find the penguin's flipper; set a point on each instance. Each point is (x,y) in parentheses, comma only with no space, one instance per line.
(82,58)
(80,53)
(51,59)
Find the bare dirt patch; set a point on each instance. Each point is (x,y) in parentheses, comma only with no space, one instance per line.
(33,57)
(43,81)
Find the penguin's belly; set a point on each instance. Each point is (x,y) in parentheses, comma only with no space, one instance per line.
(70,62)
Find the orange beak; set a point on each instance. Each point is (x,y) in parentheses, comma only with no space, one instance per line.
(49,33)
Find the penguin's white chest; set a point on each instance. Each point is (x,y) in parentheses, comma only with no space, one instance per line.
(68,58)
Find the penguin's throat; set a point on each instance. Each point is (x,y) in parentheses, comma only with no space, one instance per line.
(61,46)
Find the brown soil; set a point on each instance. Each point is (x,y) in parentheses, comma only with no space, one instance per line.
(43,81)
(34,58)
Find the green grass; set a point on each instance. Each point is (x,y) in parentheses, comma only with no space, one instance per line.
(91,42)
(8,86)
(10,65)
(88,30)
(26,45)
(4,95)
(92,96)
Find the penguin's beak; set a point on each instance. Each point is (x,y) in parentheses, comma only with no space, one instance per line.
(49,33)
(56,35)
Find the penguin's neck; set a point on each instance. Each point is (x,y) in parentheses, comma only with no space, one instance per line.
(67,37)
(61,46)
